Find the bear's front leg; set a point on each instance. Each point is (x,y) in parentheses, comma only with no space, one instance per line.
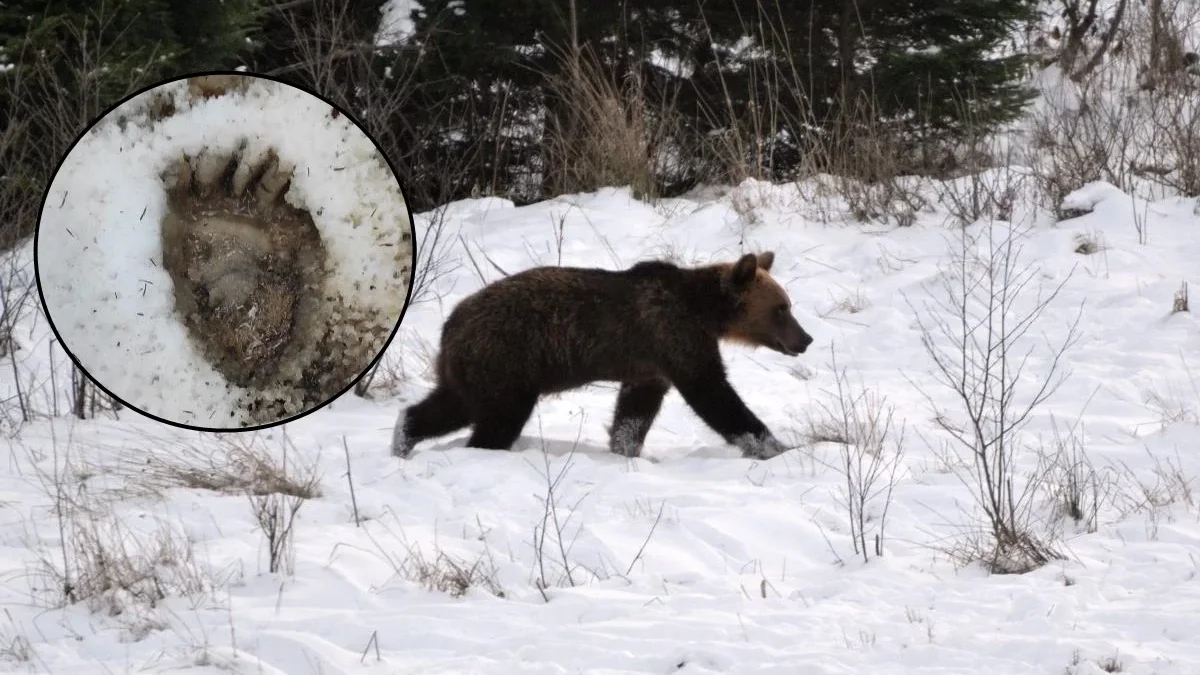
(763,446)
(708,392)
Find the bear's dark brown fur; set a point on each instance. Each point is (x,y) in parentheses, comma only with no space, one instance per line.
(650,327)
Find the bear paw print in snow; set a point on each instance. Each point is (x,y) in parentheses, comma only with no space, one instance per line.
(241,258)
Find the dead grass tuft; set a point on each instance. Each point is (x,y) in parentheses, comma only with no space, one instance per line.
(105,554)
(1180,303)
(238,464)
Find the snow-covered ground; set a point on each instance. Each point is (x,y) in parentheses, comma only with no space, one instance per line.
(691,559)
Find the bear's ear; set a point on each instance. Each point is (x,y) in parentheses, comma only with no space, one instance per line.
(765,260)
(743,271)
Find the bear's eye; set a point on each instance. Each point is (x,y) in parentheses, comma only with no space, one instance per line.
(781,310)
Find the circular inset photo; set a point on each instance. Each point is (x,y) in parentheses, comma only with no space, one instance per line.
(224,252)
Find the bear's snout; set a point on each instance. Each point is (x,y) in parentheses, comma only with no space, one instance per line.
(804,341)
(794,340)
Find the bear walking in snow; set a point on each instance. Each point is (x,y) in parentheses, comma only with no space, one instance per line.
(650,327)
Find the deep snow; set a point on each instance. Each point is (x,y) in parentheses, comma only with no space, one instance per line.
(749,568)
(691,559)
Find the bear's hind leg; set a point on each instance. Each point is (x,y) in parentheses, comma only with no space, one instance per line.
(499,422)
(638,404)
(440,413)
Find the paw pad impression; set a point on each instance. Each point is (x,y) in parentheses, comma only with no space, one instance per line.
(224,252)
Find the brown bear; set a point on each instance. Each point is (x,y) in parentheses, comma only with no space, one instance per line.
(649,327)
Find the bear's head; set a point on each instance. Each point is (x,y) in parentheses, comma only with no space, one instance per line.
(764,317)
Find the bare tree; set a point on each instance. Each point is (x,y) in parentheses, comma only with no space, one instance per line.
(435,259)
(377,84)
(978,336)
(862,423)
(53,93)
(1083,19)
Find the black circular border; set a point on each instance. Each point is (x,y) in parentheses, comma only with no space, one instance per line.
(412,274)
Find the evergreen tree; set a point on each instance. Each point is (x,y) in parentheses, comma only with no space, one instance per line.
(922,71)
(298,39)
(335,48)
(212,34)
(485,64)
(943,61)
(785,75)
(118,46)
(67,43)
(66,61)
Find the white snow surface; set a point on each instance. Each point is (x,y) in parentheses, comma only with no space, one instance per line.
(750,567)
(100,267)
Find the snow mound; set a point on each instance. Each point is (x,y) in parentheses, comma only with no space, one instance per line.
(225,252)
(1088,197)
